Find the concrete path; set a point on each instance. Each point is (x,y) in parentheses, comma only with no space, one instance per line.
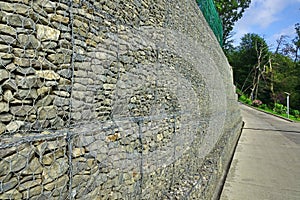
(266,164)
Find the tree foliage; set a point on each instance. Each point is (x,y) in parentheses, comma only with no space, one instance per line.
(230,11)
(265,75)
(249,63)
(291,49)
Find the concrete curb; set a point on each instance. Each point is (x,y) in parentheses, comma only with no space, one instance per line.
(220,186)
(268,113)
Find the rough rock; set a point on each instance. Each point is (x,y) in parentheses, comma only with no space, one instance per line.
(48,75)
(4,107)
(47,33)
(2,128)
(14,126)
(47,112)
(4,74)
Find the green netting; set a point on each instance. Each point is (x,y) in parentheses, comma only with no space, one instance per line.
(212,17)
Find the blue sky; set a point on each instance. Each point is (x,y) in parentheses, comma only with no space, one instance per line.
(269,19)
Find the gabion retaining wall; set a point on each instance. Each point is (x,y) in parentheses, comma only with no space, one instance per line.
(112,100)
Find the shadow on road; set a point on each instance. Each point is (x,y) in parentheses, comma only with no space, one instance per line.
(277,130)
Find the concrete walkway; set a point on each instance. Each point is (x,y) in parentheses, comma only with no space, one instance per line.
(266,164)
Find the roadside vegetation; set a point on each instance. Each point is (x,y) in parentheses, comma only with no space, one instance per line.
(265,75)
(277,109)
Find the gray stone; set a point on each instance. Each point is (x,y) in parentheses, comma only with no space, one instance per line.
(66,44)
(98,69)
(28,41)
(4,74)
(61,93)
(48,75)
(26,81)
(80,180)
(48,5)
(29,53)
(4,107)
(46,101)
(11,67)
(59,58)
(7,56)
(79,87)
(26,70)
(58,122)
(49,158)
(9,185)
(46,33)
(61,181)
(29,184)
(9,84)
(50,83)
(38,14)
(49,45)
(5,117)
(23,110)
(59,18)
(23,62)
(6,39)
(66,73)
(18,20)
(4,62)
(14,126)
(2,128)
(76,104)
(86,66)
(43,63)
(44,91)
(51,145)
(76,152)
(18,102)
(8,96)
(26,94)
(47,112)
(20,8)
(34,167)
(9,30)
(109,86)
(27,194)
(60,101)
(57,169)
(18,161)
(11,194)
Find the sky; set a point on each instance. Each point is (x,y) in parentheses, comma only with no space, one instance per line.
(269,19)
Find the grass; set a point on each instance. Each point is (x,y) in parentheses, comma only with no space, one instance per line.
(268,110)
(281,109)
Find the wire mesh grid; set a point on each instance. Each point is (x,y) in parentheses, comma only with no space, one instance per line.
(104,100)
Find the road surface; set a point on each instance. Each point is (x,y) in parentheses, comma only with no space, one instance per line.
(266,164)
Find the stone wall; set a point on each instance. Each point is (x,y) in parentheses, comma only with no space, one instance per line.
(105,99)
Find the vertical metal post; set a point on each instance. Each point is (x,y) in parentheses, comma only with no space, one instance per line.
(288,104)
(139,122)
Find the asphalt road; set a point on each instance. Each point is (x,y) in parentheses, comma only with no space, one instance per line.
(266,164)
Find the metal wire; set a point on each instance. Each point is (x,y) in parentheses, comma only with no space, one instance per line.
(105,100)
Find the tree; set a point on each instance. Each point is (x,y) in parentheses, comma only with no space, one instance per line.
(296,41)
(250,63)
(292,49)
(280,42)
(230,11)
(264,75)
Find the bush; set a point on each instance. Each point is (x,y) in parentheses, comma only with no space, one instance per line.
(256,103)
(263,106)
(244,99)
(296,113)
(279,108)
